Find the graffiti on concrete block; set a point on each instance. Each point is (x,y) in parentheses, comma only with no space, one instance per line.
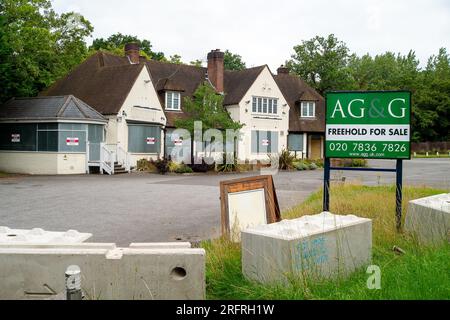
(310,253)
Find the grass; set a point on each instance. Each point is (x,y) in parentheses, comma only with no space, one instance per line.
(5,175)
(421,273)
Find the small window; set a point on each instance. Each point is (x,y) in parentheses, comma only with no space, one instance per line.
(308,109)
(254,105)
(173,100)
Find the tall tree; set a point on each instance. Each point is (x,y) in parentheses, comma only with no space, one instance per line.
(37,45)
(432,100)
(206,106)
(233,61)
(116,42)
(176,58)
(322,63)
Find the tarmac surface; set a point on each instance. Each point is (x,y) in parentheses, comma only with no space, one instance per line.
(141,207)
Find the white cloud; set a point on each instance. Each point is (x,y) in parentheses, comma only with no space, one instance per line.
(264,32)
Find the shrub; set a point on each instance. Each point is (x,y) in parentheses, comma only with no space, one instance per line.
(200,167)
(285,159)
(300,166)
(145,165)
(227,167)
(183,169)
(162,164)
(358,163)
(312,166)
(173,166)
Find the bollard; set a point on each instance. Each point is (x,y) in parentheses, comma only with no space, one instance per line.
(73,283)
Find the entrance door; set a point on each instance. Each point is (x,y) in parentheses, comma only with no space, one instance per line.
(95,137)
(316,147)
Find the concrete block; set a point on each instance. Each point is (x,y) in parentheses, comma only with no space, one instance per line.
(161,245)
(320,246)
(429,219)
(108,272)
(38,235)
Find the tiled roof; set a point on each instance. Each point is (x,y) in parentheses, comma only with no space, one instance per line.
(48,108)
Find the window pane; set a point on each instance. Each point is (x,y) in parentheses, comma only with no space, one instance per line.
(295,142)
(18,137)
(176,100)
(254,141)
(47,126)
(168,100)
(254,105)
(72,141)
(275,103)
(273,146)
(48,141)
(259,105)
(72,126)
(264,141)
(270,105)
(311,109)
(95,133)
(144,138)
(264,105)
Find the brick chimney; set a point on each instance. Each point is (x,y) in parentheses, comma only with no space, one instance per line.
(215,69)
(283,70)
(132,52)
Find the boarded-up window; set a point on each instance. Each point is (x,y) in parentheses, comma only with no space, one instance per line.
(295,142)
(144,138)
(264,141)
(20,137)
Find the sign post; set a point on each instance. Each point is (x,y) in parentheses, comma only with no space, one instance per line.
(368,125)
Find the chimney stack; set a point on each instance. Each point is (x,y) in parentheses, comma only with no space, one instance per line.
(132,52)
(215,69)
(283,70)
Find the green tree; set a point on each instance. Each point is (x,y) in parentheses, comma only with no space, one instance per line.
(206,106)
(384,72)
(322,63)
(233,61)
(115,43)
(37,46)
(196,63)
(176,58)
(432,100)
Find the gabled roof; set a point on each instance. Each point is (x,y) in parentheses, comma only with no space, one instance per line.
(48,108)
(237,83)
(296,90)
(103,81)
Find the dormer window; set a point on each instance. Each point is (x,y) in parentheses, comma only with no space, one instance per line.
(173,99)
(308,109)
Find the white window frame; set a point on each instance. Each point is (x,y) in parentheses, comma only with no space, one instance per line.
(258,104)
(170,104)
(305,105)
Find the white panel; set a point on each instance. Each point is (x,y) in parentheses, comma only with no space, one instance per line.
(246,209)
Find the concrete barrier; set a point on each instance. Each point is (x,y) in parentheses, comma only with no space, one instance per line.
(429,219)
(322,246)
(141,271)
(38,235)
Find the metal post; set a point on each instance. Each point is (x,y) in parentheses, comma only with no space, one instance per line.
(73,283)
(326,185)
(398,194)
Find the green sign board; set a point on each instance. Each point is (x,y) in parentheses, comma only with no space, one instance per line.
(372,125)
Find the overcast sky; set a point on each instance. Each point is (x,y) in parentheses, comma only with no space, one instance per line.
(264,32)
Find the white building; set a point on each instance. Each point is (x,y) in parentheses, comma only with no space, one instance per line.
(141,99)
